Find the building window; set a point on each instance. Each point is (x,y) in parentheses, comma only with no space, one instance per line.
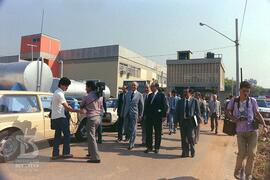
(123,69)
(35,40)
(129,70)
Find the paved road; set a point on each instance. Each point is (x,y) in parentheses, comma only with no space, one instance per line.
(215,159)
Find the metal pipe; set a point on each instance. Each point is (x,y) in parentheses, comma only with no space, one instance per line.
(41,72)
(37,89)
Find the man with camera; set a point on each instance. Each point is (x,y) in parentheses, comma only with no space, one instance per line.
(60,119)
(243,110)
(92,105)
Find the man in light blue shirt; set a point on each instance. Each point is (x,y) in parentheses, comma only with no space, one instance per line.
(172,107)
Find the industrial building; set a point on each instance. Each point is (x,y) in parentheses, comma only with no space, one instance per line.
(206,74)
(112,64)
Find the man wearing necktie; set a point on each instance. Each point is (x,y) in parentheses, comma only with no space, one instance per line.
(155,110)
(145,98)
(120,105)
(172,106)
(187,112)
(133,111)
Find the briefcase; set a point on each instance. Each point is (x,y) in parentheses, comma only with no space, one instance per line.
(229,127)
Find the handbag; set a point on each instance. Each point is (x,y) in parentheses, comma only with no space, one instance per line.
(229,127)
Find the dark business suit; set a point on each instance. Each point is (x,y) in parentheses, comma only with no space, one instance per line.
(120,103)
(185,116)
(155,109)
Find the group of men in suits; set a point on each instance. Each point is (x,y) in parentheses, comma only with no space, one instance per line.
(151,110)
(148,108)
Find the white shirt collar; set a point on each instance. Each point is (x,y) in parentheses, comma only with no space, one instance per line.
(61,90)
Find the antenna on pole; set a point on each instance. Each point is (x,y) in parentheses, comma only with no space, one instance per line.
(42,20)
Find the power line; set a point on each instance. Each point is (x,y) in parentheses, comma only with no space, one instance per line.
(213,49)
(243,19)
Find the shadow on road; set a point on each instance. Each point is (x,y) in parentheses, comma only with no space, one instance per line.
(180,178)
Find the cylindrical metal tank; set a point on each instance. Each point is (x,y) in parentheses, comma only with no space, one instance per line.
(24,76)
(77,89)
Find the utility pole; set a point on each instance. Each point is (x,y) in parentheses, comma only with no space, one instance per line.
(236,42)
(237,58)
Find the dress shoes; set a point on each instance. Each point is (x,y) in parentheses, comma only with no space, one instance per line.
(94,161)
(67,156)
(184,156)
(156,151)
(130,148)
(192,154)
(148,150)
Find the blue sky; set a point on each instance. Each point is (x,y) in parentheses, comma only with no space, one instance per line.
(149,27)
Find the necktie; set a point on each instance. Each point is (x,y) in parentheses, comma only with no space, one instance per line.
(187,109)
(132,95)
(123,98)
(153,97)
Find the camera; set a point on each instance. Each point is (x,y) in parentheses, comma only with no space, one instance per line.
(100,87)
(243,118)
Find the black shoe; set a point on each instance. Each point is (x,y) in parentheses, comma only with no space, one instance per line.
(148,150)
(184,156)
(66,156)
(192,154)
(130,148)
(93,161)
(170,133)
(216,132)
(88,155)
(55,157)
(156,151)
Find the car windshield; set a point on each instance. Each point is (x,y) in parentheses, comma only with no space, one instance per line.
(18,104)
(111,103)
(263,103)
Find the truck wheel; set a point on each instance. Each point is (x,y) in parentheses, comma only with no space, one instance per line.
(9,145)
(81,134)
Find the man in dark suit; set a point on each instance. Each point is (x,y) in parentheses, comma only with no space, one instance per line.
(120,102)
(155,110)
(187,112)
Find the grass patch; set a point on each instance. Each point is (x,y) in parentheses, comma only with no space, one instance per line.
(262,161)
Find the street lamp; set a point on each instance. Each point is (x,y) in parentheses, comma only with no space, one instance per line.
(236,42)
(32,49)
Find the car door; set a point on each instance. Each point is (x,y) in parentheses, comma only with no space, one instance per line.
(46,101)
(26,114)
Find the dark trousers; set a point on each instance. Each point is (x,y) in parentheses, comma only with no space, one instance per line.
(99,133)
(187,139)
(197,133)
(120,127)
(61,125)
(214,122)
(155,123)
